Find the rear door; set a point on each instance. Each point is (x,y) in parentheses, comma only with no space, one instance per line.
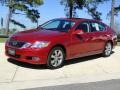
(97,33)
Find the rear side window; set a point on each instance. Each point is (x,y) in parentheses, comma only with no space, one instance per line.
(83,26)
(101,27)
(97,27)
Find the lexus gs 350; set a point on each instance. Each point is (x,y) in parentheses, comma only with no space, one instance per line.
(61,39)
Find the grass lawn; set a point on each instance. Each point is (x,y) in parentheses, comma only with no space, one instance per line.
(2,40)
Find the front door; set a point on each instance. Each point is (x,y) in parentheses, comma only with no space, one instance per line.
(81,43)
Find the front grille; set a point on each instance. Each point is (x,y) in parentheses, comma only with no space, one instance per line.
(16,43)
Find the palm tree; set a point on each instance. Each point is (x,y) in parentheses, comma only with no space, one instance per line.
(112,14)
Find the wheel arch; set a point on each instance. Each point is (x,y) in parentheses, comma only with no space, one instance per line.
(62,46)
(110,42)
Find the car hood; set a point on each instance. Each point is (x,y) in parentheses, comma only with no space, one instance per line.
(37,35)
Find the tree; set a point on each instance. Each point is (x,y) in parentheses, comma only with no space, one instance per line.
(23,7)
(117,27)
(1,22)
(91,6)
(71,6)
(117,10)
(112,14)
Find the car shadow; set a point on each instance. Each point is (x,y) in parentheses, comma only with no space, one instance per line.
(26,65)
(68,62)
(82,59)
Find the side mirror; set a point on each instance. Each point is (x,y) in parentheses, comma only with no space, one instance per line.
(78,32)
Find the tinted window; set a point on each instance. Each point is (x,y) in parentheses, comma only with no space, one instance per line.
(101,27)
(58,24)
(83,26)
(54,24)
(97,27)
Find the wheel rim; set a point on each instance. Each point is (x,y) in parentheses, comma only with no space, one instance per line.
(108,49)
(56,58)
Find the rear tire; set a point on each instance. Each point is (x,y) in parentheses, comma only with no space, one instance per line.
(56,58)
(107,50)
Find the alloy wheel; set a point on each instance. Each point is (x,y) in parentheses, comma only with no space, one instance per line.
(56,58)
(108,49)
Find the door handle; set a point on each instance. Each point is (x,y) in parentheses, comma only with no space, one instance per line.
(91,37)
(80,38)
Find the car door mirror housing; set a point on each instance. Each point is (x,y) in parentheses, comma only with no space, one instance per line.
(78,32)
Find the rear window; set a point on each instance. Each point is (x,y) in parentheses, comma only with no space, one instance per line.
(97,27)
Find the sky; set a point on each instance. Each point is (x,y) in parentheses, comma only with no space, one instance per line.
(52,9)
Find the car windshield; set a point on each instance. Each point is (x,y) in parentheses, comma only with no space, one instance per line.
(58,25)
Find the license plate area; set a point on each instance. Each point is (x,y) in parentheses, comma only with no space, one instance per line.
(11,52)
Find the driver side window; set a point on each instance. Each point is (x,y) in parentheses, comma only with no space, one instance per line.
(83,26)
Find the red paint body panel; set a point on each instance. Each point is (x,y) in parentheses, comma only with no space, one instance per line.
(75,45)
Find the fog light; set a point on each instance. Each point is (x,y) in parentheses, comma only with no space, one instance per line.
(35,58)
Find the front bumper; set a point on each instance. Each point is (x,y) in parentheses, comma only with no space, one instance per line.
(25,55)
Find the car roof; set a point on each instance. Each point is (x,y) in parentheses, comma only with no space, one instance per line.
(79,19)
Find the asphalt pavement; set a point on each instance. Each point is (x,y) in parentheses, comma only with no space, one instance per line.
(102,85)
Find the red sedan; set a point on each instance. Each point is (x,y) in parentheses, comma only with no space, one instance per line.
(61,39)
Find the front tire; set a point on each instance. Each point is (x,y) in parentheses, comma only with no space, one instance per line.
(56,58)
(108,49)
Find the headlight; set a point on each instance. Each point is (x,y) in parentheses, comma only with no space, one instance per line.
(26,45)
(40,44)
